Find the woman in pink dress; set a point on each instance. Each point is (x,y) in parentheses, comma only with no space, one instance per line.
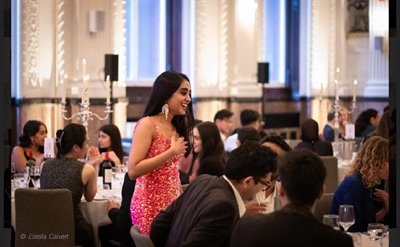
(159,142)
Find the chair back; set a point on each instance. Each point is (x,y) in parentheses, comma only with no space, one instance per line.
(44,217)
(293,142)
(139,238)
(323,206)
(331,180)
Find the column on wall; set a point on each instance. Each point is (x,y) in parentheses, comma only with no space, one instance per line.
(225,53)
(324,58)
(119,47)
(377,85)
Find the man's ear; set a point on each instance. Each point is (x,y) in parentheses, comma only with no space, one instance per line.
(282,191)
(246,182)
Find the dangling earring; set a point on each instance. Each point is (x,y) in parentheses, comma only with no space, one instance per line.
(165,110)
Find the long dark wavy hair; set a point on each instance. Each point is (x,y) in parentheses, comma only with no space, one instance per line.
(30,129)
(164,87)
(211,141)
(115,138)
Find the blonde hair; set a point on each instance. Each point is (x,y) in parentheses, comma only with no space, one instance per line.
(370,159)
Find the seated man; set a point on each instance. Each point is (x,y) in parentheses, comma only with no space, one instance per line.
(302,176)
(206,213)
(223,120)
(328,134)
(269,200)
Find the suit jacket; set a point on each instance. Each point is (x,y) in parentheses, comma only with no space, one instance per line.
(204,215)
(212,165)
(328,133)
(293,225)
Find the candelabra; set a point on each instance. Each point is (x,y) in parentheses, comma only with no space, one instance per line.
(85,114)
(337,107)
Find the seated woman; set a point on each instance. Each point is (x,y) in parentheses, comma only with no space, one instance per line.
(110,141)
(310,139)
(366,122)
(67,171)
(31,140)
(359,189)
(208,144)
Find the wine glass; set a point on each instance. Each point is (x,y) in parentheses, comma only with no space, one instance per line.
(35,175)
(346,216)
(331,220)
(118,174)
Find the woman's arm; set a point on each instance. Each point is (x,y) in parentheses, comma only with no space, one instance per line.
(113,157)
(89,179)
(383,197)
(141,142)
(18,158)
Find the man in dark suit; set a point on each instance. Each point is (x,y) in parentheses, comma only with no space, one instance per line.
(206,213)
(302,176)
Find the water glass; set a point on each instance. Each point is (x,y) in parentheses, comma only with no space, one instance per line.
(119,174)
(125,160)
(376,231)
(19,181)
(331,220)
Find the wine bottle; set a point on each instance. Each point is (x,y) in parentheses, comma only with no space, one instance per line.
(107,170)
(30,164)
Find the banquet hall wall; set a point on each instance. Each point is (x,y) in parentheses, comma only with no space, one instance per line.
(61,46)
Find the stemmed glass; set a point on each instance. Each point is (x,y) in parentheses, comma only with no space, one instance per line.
(35,175)
(346,216)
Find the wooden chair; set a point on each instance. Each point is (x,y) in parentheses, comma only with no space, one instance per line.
(140,239)
(323,206)
(44,217)
(331,180)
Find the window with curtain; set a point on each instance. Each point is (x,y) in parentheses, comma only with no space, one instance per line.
(146,41)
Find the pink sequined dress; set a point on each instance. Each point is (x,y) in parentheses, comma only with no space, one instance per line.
(157,189)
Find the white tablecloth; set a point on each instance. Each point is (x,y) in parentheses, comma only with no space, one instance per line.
(362,240)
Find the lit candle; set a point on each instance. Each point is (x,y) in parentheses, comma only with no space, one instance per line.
(65,88)
(336,89)
(86,86)
(320,91)
(84,82)
(108,89)
(354,90)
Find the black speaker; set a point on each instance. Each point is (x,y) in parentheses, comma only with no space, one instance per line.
(263,73)
(111,67)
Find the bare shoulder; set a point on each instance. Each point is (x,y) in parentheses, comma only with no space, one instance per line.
(18,150)
(88,168)
(145,125)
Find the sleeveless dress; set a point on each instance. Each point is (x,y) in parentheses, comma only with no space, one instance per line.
(66,173)
(159,188)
